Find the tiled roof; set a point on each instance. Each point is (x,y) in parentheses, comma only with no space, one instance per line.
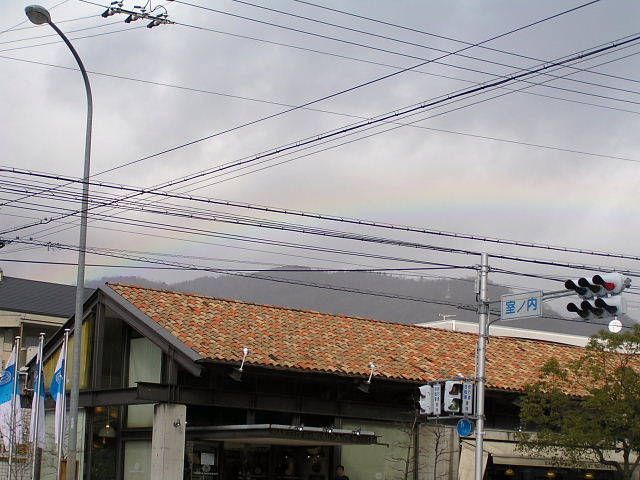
(218,329)
(35,297)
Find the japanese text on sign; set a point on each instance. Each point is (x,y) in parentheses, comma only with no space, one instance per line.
(521,305)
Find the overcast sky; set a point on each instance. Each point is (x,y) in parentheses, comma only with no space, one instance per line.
(551,159)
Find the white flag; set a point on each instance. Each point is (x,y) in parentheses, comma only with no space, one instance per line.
(57,392)
(37,406)
(8,424)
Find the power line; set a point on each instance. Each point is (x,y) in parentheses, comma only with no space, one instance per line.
(463,306)
(428,61)
(247,221)
(224,132)
(253,240)
(58,22)
(75,38)
(599,268)
(398,67)
(369,33)
(370,82)
(187,179)
(230,270)
(472,135)
(278,280)
(546,277)
(101,25)
(319,216)
(430,34)
(603,267)
(24,21)
(363,137)
(345,57)
(364,124)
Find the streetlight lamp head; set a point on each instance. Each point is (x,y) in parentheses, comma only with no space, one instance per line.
(37,14)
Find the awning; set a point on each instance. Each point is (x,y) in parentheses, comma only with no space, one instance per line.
(273,434)
(505,453)
(467,465)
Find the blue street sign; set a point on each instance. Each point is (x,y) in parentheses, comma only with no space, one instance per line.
(464,427)
(521,305)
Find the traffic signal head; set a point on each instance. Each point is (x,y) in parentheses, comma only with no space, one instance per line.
(614,305)
(600,296)
(452,396)
(425,402)
(601,307)
(572,307)
(581,290)
(612,282)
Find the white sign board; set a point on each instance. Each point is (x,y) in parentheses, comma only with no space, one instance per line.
(437,399)
(467,398)
(521,305)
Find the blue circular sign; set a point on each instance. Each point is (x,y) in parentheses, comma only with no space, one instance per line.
(465,427)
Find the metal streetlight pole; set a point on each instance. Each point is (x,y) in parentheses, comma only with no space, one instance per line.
(39,15)
(483,333)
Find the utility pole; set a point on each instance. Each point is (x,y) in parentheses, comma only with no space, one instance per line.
(483,333)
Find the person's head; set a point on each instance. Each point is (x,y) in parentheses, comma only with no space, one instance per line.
(339,470)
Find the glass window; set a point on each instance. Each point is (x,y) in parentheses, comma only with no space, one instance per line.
(145,361)
(86,353)
(50,365)
(145,365)
(104,442)
(112,354)
(201,461)
(137,460)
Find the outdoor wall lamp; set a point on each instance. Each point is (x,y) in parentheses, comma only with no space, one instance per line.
(236,373)
(364,386)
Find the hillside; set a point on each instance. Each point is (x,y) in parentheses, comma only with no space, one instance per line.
(282,290)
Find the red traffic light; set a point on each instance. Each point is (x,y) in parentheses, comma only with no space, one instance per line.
(613,282)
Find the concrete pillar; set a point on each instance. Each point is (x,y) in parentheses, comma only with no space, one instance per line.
(167,444)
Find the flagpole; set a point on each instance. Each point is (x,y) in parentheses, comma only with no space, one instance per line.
(12,420)
(63,400)
(36,415)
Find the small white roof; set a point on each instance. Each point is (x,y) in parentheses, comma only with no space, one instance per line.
(506,331)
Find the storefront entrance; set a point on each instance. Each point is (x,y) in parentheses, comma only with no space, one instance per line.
(274,462)
(524,472)
(505,462)
(244,461)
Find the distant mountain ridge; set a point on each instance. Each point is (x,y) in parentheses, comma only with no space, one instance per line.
(285,290)
(328,298)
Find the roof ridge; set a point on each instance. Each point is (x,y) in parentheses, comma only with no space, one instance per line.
(6,277)
(536,340)
(290,309)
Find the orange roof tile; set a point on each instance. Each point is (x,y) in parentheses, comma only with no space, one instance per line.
(278,337)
